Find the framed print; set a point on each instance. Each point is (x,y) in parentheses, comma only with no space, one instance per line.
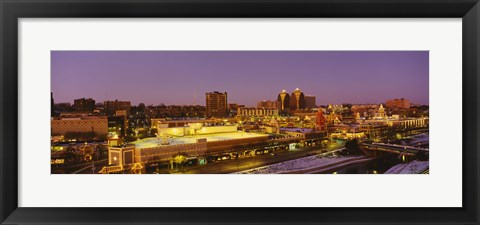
(239,112)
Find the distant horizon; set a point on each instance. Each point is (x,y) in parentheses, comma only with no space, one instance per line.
(183,77)
(96,102)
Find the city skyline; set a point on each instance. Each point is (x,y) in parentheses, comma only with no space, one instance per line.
(184,77)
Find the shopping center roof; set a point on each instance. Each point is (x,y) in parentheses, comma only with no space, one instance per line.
(155,142)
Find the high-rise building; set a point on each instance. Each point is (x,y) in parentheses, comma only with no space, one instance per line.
(82,104)
(310,101)
(297,100)
(283,101)
(111,107)
(216,104)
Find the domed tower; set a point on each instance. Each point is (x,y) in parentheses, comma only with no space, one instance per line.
(274,123)
(284,101)
(357,116)
(381,111)
(297,100)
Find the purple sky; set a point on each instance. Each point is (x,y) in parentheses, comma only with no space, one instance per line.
(173,77)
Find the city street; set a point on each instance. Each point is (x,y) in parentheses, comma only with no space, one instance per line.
(235,165)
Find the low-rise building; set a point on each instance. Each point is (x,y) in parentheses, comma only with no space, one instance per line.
(268,104)
(251,111)
(95,126)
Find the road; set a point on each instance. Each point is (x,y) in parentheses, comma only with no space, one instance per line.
(235,165)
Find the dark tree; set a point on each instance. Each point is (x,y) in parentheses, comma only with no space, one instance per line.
(352,148)
(130,138)
(422,156)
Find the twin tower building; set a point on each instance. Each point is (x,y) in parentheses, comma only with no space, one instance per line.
(295,101)
(217,106)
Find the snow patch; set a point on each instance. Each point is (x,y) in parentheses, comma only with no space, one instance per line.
(413,167)
(300,164)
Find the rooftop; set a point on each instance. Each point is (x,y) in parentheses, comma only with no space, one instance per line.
(155,142)
(295,129)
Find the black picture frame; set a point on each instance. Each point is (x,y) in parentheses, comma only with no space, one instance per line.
(12,10)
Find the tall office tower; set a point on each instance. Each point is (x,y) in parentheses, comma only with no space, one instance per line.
(82,104)
(216,104)
(311,101)
(297,100)
(111,107)
(284,101)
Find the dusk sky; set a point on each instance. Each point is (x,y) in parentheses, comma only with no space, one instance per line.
(173,77)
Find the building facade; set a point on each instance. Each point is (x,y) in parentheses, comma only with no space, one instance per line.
(111,107)
(297,100)
(83,104)
(267,104)
(216,104)
(284,101)
(310,102)
(251,111)
(76,125)
(117,125)
(398,103)
(193,129)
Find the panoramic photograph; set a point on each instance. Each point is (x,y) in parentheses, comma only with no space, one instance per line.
(239,112)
